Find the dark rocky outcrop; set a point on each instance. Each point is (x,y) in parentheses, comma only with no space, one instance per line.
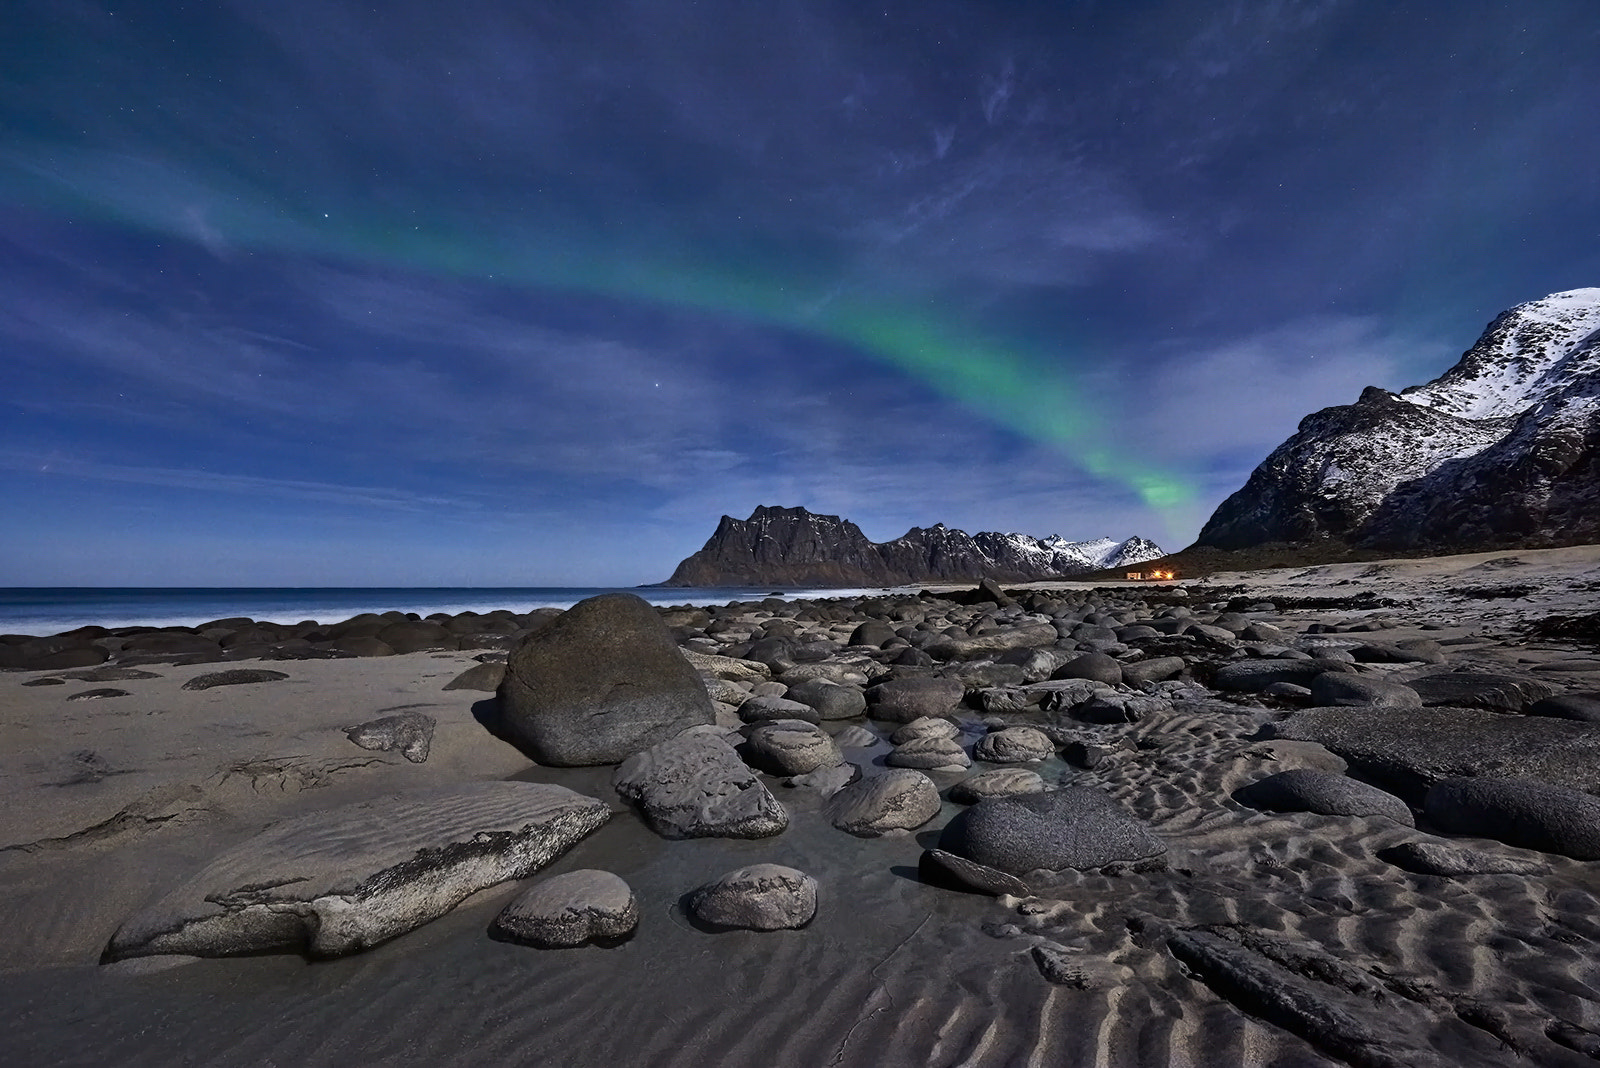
(795,547)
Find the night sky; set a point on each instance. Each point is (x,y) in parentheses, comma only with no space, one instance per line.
(486,292)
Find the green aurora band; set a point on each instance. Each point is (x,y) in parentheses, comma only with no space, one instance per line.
(1000,381)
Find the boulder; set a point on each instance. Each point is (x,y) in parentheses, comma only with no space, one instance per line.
(831,700)
(761,897)
(788,747)
(484,677)
(929,754)
(599,682)
(573,909)
(695,786)
(1306,790)
(1408,750)
(410,733)
(764,709)
(926,727)
(1341,688)
(1096,667)
(1000,782)
(1519,812)
(896,800)
(416,636)
(1155,669)
(1480,689)
(1583,707)
(345,879)
(1253,676)
(727,667)
(1014,745)
(903,700)
(1075,827)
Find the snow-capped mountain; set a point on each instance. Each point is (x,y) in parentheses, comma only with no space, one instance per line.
(1503,449)
(794,547)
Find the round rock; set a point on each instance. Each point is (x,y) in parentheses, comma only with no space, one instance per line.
(1075,827)
(761,897)
(1326,793)
(1001,782)
(1014,745)
(1519,812)
(789,747)
(896,800)
(1340,688)
(571,910)
(929,753)
(903,700)
(832,700)
(762,709)
(926,727)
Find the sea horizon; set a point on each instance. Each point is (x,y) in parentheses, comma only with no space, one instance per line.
(50,610)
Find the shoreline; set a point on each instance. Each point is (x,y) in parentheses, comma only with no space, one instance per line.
(111,801)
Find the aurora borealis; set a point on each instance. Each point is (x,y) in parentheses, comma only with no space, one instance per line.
(506,293)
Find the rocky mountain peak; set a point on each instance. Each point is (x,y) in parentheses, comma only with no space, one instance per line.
(794,547)
(1501,449)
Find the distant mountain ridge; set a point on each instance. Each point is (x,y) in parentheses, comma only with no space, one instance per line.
(794,547)
(1500,451)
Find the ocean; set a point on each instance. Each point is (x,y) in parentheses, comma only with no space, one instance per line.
(44,610)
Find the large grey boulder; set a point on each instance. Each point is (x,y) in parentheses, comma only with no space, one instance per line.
(599,682)
(1341,688)
(570,910)
(345,879)
(695,786)
(929,754)
(761,897)
(896,800)
(1014,745)
(1481,689)
(1519,812)
(1583,707)
(1253,676)
(1408,750)
(999,782)
(788,747)
(903,700)
(1075,827)
(1305,790)
(832,700)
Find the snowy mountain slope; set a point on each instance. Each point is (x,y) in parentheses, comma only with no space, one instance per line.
(1492,452)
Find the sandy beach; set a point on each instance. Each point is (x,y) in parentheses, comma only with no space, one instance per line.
(108,803)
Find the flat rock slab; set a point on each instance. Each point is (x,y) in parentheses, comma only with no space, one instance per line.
(233,677)
(1408,750)
(410,734)
(761,897)
(1473,689)
(1253,676)
(1452,861)
(97,694)
(1519,812)
(336,882)
(571,910)
(695,786)
(896,800)
(1326,793)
